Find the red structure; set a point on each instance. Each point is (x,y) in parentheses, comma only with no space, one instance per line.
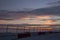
(24,35)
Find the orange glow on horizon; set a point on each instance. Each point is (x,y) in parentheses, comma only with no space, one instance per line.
(42,16)
(27,20)
(35,17)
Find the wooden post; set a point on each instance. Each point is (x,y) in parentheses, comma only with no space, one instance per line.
(7,29)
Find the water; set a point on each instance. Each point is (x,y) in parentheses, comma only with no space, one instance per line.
(54,36)
(34,36)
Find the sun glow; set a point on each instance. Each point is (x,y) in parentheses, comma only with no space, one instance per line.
(42,17)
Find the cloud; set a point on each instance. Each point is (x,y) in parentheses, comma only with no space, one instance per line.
(12,15)
(5,19)
(18,15)
(5,16)
(57,3)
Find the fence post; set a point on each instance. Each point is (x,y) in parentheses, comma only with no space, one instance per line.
(7,29)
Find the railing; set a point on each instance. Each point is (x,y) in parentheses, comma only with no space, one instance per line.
(24,29)
(29,28)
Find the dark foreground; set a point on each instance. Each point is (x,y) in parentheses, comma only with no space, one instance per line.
(30,36)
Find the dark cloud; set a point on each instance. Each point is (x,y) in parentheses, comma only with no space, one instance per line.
(4,15)
(14,15)
(57,3)
(5,19)
(54,10)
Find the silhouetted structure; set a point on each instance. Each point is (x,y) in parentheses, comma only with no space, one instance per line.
(24,35)
(41,33)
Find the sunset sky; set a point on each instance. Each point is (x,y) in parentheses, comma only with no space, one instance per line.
(32,20)
(14,5)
